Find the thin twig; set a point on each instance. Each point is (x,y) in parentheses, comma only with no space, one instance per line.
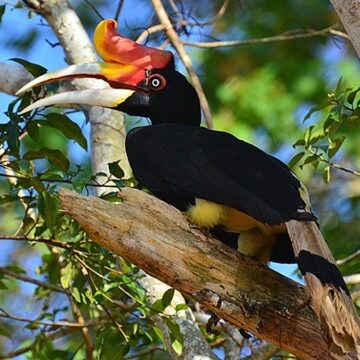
(264,352)
(118,326)
(62,181)
(349,258)
(95,9)
(184,56)
(269,39)
(17,2)
(49,323)
(52,336)
(218,15)
(48,242)
(150,30)
(28,279)
(334,165)
(149,350)
(84,331)
(353,279)
(118,9)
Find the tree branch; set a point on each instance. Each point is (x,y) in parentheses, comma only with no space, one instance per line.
(349,258)
(269,39)
(156,237)
(12,78)
(51,323)
(349,14)
(25,349)
(28,279)
(179,47)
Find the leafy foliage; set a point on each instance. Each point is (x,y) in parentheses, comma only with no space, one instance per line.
(89,279)
(323,140)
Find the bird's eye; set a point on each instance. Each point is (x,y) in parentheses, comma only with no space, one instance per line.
(156,82)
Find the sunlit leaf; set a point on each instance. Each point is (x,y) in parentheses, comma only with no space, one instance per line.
(295,159)
(69,128)
(326,174)
(66,275)
(160,335)
(335,146)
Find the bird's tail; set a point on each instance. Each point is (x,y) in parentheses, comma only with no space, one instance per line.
(330,297)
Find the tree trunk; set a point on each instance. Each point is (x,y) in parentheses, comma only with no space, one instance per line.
(156,237)
(349,14)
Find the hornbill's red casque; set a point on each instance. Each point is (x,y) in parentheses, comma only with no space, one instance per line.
(221,183)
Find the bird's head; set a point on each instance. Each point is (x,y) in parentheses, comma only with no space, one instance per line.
(143,81)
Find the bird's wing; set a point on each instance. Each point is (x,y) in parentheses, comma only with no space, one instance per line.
(220,168)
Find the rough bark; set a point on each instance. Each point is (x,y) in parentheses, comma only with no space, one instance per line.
(156,237)
(349,14)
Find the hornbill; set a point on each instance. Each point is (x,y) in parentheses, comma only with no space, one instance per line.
(222,184)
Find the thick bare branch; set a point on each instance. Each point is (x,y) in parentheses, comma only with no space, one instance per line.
(156,237)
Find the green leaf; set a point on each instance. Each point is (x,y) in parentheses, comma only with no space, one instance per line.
(55,157)
(13,132)
(115,169)
(300,142)
(5,333)
(112,197)
(181,307)
(66,276)
(326,174)
(69,128)
(76,294)
(310,159)
(167,297)
(339,87)
(335,146)
(295,159)
(158,306)
(351,97)
(50,210)
(16,269)
(34,69)
(37,185)
(3,286)
(160,335)
(314,109)
(176,337)
(177,346)
(32,130)
(307,135)
(2,10)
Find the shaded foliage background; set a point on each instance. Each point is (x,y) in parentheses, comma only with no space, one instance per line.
(262,93)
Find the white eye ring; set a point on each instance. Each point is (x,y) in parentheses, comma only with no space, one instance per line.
(155,82)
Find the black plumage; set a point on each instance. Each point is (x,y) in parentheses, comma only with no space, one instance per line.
(180,163)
